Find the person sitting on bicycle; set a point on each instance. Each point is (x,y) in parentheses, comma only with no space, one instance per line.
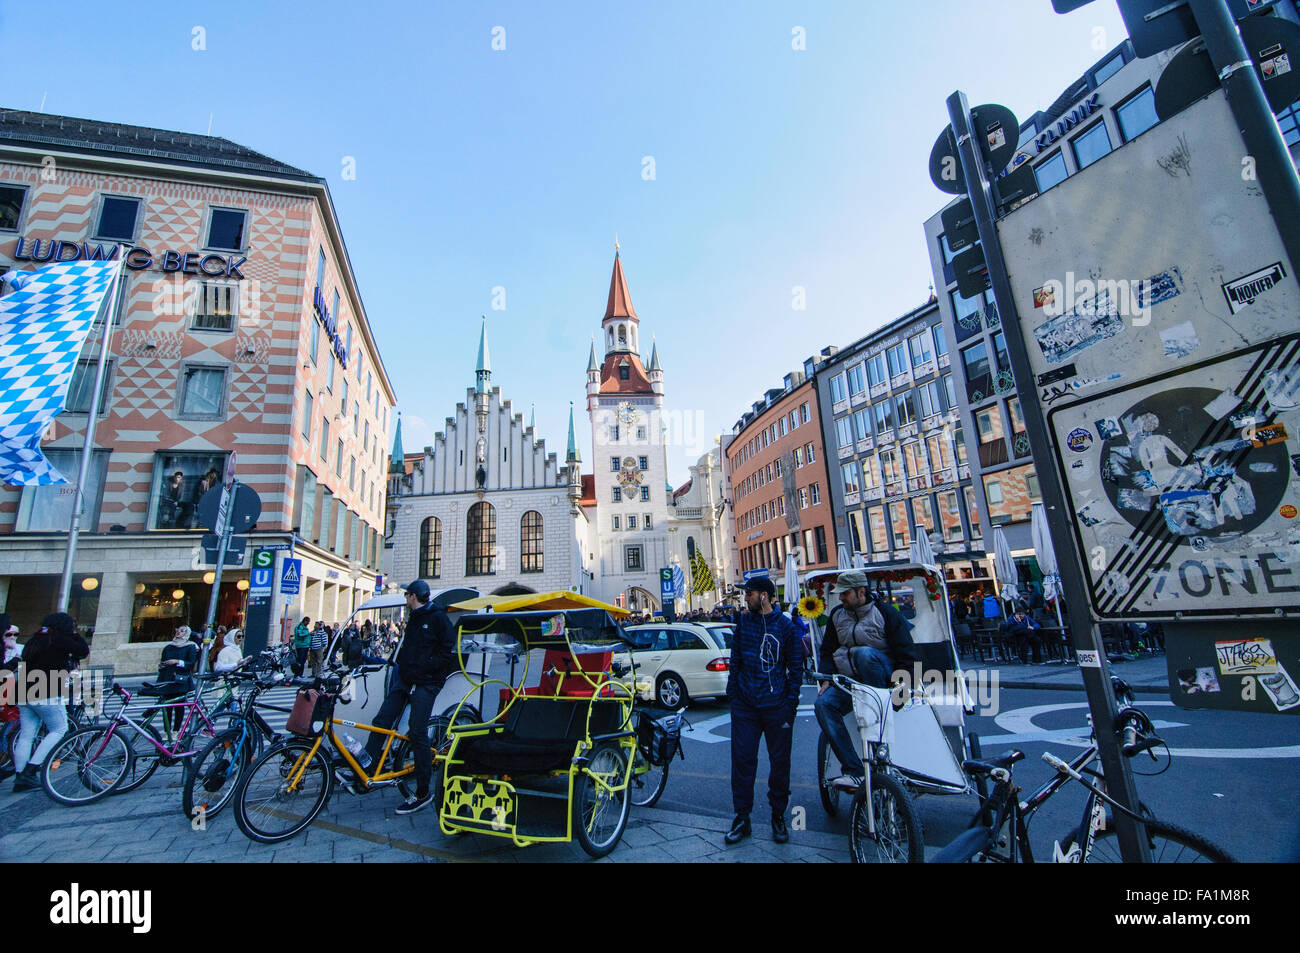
(867,640)
(427,657)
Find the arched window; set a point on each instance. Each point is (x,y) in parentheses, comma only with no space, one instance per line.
(431,548)
(690,548)
(530,542)
(480,539)
(622,335)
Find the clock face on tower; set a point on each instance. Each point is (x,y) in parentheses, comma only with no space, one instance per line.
(627,413)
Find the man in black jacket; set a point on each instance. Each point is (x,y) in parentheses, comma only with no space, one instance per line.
(426,657)
(868,640)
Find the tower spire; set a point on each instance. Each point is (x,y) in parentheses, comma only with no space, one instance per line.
(572,454)
(483,369)
(395,462)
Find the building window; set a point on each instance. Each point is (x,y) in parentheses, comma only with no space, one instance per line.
(645,521)
(632,561)
(306,417)
(1137,114)
(613,434)
(979,376)
(949,516)
(857,380)
(631,521)
(819,533)
(179,482)
(614,464)
(480,539)
(876,371)
(950,391)
(1109,68)
(1091,145)
(338,459)
(884,413)
(972,511)
(904,409)
(645,494)
(12,198)
(849,474)
(940,342)
(617,524)
(897,360)
(919,345)
(939,451)
(202,393)
(352,474)
(922,515)
(808,455)
(643,463)
(314,347)
(618,494)
(914,458)
(803,413)
(431,548)
(815,493)
(1009,494)
(844,432)
(803,498)
(83,384)
(329,380)
(838,391)
(530,542)
(118,218)
(1051,171)
(325,438)
(876,526)
(993,444)
(798,457)
(794,420)
(49,508)
(226,229)
(217,306)
(862,423)
(624,372)
(929,399)
(899,524)
(1286,121)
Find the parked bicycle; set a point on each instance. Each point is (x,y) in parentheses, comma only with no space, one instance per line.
(999,832)
(94,762)
(213,775)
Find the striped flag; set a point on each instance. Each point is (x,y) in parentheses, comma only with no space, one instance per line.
(679,582)
(42,327)
(701,576)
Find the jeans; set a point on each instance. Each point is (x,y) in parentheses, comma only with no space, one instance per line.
(54,717)
(871,667)
(421,699)
(776,726)
(301,663)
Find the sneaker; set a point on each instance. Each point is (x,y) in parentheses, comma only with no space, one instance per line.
(740,829)
(417,803)
(780,833)
(27,780)
(849,783)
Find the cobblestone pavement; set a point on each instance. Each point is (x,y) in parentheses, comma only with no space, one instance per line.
(147,825)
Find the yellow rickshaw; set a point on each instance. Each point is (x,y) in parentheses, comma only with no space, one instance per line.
(554,763)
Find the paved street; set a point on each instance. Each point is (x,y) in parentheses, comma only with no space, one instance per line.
(1230,780)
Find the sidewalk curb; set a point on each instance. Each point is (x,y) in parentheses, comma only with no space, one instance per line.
(1059,686)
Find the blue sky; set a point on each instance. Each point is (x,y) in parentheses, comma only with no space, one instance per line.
(479,168)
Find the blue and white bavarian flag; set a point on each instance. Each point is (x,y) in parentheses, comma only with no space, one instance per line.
(679,583)
(42,327)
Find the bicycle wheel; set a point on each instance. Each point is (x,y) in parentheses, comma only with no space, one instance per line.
(145,757)
(1169,844)
(266,810)
(897,839)
(826,772)
(648,780)
(213,774)
(599,813)
(85,766)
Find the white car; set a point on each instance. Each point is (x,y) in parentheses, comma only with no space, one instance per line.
(678,661)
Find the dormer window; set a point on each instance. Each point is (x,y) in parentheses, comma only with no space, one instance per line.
(624,371)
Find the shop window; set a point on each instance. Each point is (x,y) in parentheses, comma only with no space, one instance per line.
(49,508)
(179,482)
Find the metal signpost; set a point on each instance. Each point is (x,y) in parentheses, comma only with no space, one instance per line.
(225,509)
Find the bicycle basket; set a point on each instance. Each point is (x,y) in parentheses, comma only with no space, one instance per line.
(310,712)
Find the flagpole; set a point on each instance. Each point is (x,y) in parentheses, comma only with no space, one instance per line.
(87,448)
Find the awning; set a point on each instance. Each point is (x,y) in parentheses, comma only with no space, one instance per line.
(538,602)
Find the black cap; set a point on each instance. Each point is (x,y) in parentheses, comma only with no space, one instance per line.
(760,584)
(419,589)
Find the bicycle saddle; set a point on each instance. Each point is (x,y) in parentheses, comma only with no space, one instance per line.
(164,689)
(1002,761)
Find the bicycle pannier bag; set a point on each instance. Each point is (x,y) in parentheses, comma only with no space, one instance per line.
(303,713)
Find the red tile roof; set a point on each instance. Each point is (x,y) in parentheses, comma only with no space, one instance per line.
(637,382)
(620,300)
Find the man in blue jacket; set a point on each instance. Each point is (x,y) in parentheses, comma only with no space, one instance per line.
(763,685)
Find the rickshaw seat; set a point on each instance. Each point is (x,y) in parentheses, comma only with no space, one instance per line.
(947,704)
(569,675)
(539,735)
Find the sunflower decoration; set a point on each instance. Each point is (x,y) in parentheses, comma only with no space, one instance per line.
(811,606)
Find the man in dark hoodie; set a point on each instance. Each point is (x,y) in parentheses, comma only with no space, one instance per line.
(47,662)
(763,684)
(424,660)
(868,640)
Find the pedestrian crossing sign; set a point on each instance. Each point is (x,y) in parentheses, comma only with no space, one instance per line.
(290,576)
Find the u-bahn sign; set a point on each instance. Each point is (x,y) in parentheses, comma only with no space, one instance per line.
(1160,310)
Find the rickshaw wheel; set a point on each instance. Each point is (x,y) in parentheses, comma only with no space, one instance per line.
(898,829)
(599,816)
(826,762)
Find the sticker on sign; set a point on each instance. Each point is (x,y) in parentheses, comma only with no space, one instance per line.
(1089,658)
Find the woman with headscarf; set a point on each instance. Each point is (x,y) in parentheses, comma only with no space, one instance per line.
(48,659)
(179,661)
(232,652)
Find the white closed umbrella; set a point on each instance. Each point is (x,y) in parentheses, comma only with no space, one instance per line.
(791,580)
(1046,553)
(922,553)
(1005,566)
(842,560)
(859,561)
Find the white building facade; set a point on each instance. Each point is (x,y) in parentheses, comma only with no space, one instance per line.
(699,524)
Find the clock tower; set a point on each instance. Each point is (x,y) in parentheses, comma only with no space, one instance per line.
(625,405)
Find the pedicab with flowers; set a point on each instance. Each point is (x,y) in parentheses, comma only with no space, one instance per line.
(913,734)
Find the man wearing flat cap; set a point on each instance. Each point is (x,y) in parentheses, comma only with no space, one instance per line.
(763,684)
(867,640)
